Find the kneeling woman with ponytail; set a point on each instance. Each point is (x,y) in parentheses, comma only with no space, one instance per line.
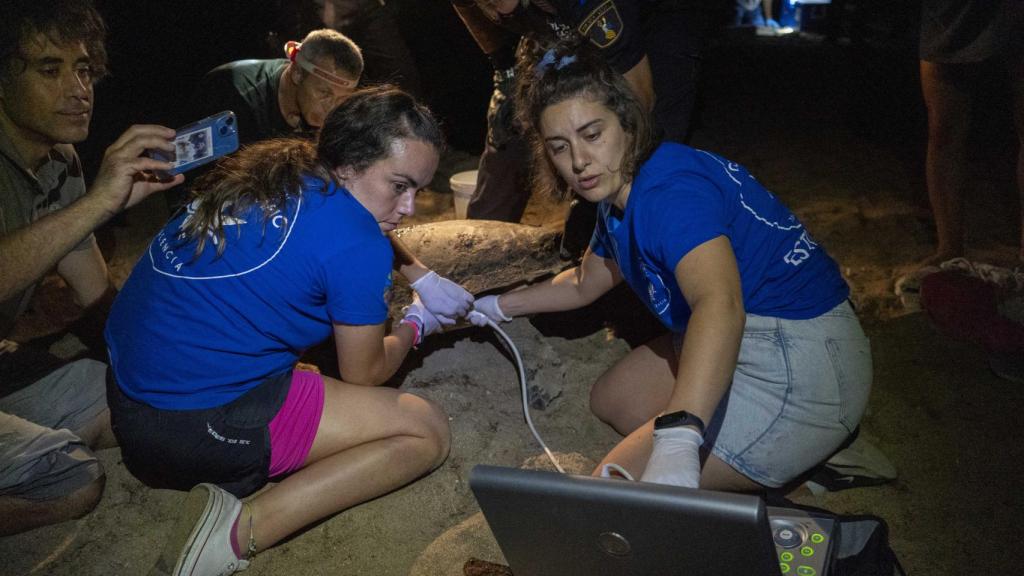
(284,245)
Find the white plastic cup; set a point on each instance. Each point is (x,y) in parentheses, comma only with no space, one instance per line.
(463,186)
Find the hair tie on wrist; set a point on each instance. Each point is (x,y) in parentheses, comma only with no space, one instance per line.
(416,330)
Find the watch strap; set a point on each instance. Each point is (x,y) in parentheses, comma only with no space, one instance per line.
(679,418)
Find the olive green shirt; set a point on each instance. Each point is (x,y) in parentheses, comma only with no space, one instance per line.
(26,196)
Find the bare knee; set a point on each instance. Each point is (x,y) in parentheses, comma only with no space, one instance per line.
(19,515)
(609,407)
(600,404)
(85,500)
(432,427)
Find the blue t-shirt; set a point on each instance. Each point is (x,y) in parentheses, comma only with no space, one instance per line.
(192,332)
(684,197)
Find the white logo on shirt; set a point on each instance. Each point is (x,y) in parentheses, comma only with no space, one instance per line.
(223,219)
(801,250)
(171,264)
(657,293)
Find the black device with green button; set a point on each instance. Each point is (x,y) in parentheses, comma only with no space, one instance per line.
(803,540)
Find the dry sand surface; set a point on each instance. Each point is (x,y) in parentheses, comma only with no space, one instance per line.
(950,426)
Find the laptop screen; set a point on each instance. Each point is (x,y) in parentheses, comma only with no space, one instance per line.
(550,524)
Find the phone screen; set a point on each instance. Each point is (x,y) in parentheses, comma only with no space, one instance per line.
(192,146)
(200,143)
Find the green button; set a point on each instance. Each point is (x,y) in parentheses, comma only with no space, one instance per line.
(817,538)
(786,556)
(805,571)
(784,567)
(807,551)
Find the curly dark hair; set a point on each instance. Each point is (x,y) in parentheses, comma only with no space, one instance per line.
(569,69)
(63,21)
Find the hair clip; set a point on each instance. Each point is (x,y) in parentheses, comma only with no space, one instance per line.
(565,61)
(548,61)
(545,62)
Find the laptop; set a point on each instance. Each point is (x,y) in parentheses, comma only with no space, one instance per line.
(550,524)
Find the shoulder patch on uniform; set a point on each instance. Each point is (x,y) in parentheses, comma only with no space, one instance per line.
(603,25)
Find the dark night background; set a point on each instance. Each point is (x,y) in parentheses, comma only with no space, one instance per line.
(854,70)
(857,72)
(158,51)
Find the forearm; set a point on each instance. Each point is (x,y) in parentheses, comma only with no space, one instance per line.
(90,325)
(384,362)
(566,291)
(85,272)
(708,358)
(396,348)
(30,252)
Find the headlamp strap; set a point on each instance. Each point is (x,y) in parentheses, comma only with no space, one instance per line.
(293,50)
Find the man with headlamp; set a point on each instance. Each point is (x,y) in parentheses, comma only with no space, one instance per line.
(275,98)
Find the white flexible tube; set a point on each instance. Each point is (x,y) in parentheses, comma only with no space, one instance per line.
(522,386)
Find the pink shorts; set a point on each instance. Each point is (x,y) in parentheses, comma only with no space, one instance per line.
(293,429)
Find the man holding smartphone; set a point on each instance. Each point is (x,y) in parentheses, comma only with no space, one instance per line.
(51,54)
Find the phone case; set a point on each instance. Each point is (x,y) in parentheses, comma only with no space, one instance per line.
(202,142)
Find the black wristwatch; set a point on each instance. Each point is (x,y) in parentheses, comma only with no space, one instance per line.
(676,419)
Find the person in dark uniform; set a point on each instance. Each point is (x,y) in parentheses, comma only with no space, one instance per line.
(371,24)
(654,44)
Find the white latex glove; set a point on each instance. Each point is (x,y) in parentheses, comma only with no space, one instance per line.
(675,459)
(418,314)
(487,306)
(445,299)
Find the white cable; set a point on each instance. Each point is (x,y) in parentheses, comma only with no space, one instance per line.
(522,386)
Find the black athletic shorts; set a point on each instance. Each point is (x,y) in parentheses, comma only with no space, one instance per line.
(227,445)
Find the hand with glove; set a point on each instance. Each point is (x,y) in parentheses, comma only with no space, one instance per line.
(444,299)
(422,320)
(487,308)
(675,459)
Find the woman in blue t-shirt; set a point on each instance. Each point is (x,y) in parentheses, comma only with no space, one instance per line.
(766,370)
(284,245)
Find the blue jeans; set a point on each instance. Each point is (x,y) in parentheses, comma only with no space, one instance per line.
(799,390)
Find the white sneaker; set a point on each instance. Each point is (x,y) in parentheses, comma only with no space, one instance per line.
(200,543)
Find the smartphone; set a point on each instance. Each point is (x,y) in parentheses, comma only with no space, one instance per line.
(200,143)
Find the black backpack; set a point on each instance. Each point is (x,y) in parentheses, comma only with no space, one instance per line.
(861,543)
